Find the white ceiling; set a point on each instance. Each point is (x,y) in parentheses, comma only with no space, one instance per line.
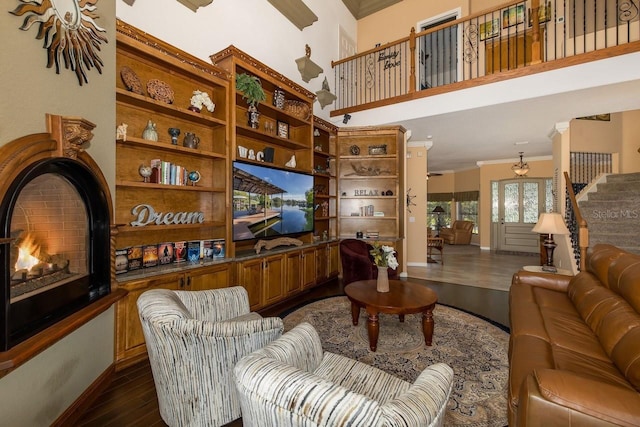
(490,123)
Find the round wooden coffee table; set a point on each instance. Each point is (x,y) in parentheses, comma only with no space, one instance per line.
(403,298)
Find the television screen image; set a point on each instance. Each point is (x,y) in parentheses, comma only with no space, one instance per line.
(270,202)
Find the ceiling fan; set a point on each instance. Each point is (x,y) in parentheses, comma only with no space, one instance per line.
(430,174)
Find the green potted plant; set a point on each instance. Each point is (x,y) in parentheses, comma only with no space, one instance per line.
(251,88)
(252,92)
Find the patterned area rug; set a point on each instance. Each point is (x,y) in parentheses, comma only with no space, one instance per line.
(474,348)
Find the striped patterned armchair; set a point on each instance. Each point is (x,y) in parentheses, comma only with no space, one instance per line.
(292,382)
(194,339)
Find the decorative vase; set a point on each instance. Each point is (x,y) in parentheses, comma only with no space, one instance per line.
(190,140)
(149,133)
(174,132)
(383,280)
(254,117)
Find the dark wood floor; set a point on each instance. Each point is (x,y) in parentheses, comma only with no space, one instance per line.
(130,400)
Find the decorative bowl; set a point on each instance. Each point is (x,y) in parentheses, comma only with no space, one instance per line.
(297,109)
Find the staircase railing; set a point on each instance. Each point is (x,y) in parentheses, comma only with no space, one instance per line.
(577,226)
(493,44)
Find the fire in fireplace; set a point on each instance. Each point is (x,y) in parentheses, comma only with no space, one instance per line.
(55,230)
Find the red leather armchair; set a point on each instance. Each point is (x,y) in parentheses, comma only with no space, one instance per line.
(459,233)
(357,262)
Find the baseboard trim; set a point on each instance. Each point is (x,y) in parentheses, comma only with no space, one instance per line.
(417,264)
(73,413)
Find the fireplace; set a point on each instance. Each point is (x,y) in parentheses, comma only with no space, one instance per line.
(55,245)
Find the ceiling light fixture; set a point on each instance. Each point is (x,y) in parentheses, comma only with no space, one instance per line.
(521,168)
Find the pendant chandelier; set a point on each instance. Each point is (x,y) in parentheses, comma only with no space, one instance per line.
(521,168)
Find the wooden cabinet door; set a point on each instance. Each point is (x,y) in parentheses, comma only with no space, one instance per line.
(321,263)
(130,338)
(250,277)
(334,259)
(273,279)
(213,277)
(308,267)
(293,280)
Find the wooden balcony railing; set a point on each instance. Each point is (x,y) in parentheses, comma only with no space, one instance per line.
(495,43)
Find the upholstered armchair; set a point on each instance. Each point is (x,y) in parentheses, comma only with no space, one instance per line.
(292,382)
(194,339)
(357,262)
(458,234)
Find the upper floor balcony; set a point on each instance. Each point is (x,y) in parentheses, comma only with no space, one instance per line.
(516,39)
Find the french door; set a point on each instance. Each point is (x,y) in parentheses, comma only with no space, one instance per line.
(520,203)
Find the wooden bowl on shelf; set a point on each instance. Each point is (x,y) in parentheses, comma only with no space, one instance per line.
(297,109)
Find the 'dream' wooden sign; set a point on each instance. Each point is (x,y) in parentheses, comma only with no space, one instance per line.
(145,215)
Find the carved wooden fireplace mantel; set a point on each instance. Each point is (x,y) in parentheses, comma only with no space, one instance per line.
(53,193)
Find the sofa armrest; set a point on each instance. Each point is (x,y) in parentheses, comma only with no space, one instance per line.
(300,347)
(554,282)
(425,402)
(584,395)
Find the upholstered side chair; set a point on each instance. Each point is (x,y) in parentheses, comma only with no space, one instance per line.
(194,339)
(293,382)
(458,234)
(357,262)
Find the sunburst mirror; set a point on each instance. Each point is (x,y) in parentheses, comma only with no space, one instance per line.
(69,32)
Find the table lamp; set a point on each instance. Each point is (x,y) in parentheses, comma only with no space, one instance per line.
(550,223)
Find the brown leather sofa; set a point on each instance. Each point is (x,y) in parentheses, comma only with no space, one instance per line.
(574,352)
(459,233)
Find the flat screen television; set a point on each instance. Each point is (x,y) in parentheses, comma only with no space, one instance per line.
(270,202)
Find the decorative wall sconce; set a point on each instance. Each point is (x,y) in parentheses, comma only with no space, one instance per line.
(308,69)
(325,97)
(195,4)
(520,168)
(346,118)
(295,11)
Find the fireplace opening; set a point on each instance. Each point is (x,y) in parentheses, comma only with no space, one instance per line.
(55,225)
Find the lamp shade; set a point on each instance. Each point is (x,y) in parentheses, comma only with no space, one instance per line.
(438,209)
(550,223)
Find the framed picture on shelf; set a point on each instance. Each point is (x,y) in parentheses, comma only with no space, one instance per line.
(513,15)
(489,29)
(282,129)
(544,14)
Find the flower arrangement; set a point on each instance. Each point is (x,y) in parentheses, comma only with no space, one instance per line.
(384,256)
(200,99)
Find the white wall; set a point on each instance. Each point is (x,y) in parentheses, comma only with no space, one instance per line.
(253,26)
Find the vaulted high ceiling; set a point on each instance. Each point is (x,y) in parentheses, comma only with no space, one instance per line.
(361,8)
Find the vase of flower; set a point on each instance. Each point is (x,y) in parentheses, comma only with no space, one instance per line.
(382,284)
(383,257)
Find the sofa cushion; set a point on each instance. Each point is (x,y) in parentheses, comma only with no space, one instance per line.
(528,354)
(625,279)
(599,260)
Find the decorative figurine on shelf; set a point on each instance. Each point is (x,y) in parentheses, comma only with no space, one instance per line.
(145,172)
(121,131)
(278,98)
(194,177)
(174,132)
(150,133)
(292,162)
(325,235)
(190,140)
(201,99)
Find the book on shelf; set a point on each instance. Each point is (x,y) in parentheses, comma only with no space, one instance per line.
(193,251)
(134,257)
(149,256)
(218,248)
(165,253)
(122,260)
(179,252)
